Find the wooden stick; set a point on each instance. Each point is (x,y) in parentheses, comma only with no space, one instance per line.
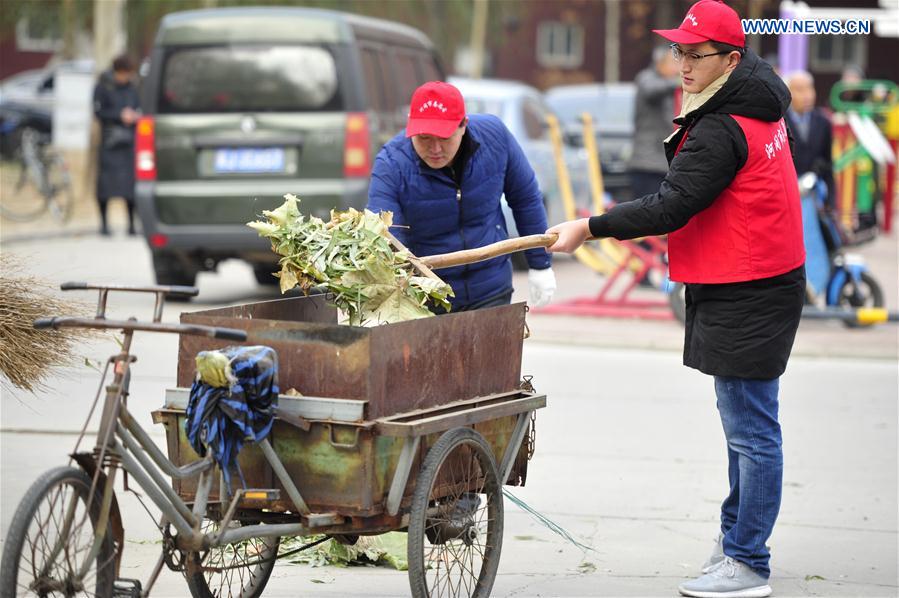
(471,256)
(417,263)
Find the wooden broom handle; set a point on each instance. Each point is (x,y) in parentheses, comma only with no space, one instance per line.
(471,256)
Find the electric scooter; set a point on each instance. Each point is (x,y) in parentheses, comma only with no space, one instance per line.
(834,278)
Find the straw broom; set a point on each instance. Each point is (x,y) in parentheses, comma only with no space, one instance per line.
(28,356)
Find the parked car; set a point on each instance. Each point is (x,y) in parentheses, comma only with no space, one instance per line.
(244,105)
(34,88)
(612,107)
(523,111)
(27,100)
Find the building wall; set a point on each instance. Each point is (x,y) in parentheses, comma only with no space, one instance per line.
(514,49)
(515,56)
(14,61)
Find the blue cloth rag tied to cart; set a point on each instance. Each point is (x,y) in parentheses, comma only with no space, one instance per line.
(223,418)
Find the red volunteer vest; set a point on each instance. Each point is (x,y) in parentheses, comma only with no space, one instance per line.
(753,229)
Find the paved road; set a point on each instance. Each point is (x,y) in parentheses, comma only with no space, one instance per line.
(629,455)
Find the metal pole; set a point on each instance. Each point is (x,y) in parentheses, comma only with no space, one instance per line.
(283,476)
(401,475)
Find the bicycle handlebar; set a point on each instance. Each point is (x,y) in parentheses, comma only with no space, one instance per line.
(230,334)
(167,289)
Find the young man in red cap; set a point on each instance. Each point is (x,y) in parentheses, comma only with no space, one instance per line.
(730,205)
(443,179)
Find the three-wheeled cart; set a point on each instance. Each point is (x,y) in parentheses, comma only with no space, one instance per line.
(413,426)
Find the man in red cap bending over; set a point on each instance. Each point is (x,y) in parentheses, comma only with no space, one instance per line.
(443,179)
(730,206)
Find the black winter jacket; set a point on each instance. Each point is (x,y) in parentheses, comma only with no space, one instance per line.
(743,329)
(115,173)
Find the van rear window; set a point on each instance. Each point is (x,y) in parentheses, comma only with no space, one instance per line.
(249,79)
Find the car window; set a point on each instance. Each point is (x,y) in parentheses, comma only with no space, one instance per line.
(249,78)
(406,78)
(610,108)
(374,80)
(533,115)
(428,68)
(615,109)
(475,105)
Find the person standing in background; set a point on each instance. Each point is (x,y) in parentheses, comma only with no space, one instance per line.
(812,133)
(117,106)
(654,110)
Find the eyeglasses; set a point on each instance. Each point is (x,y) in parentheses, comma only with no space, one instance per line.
(691,57)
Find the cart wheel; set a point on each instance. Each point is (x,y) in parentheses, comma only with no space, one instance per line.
(456,521)
(51,535)
(238,570)
(865,293)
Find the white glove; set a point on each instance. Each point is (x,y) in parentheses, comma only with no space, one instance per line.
(542,285)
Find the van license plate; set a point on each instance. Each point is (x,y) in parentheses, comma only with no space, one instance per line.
(249,159)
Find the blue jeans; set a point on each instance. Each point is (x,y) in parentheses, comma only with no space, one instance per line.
(748,411)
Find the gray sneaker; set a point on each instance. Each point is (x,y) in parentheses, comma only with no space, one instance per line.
(717,554)
(730,579)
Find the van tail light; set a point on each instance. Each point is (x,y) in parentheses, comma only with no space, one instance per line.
(159,240)
(145,149)
(356,159)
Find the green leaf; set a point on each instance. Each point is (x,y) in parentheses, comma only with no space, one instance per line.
(265,229)
(352,257)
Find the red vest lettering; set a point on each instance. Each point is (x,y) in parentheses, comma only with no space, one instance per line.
(753,229)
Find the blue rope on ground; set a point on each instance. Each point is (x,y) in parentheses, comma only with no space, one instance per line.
(547,522)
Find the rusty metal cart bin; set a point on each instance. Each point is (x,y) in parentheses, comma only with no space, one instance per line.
(409,426)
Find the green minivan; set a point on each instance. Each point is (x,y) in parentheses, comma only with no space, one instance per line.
(243,105)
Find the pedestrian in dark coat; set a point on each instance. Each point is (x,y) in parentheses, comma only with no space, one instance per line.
(653,111)
(730,205)
(812,131)
(117,106)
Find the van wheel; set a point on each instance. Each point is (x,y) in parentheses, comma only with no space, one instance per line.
(172,271)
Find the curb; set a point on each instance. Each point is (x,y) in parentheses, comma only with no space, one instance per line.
(57,234)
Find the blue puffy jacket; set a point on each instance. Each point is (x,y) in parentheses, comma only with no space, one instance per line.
(442,217)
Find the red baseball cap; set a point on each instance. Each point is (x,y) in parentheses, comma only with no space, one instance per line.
(708,20)
(437,108)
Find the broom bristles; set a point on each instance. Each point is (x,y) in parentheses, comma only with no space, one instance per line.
(28,356)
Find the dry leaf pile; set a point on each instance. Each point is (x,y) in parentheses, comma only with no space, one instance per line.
(351,257)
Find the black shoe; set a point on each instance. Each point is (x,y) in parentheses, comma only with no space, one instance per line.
(104,232)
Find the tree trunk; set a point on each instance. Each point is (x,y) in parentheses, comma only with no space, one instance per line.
(109,41)
(613,44)
(478,37)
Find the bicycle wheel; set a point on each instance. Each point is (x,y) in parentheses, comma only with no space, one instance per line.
(456,521)
(238,570)
(50,537)
(60,197)
(22,200)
